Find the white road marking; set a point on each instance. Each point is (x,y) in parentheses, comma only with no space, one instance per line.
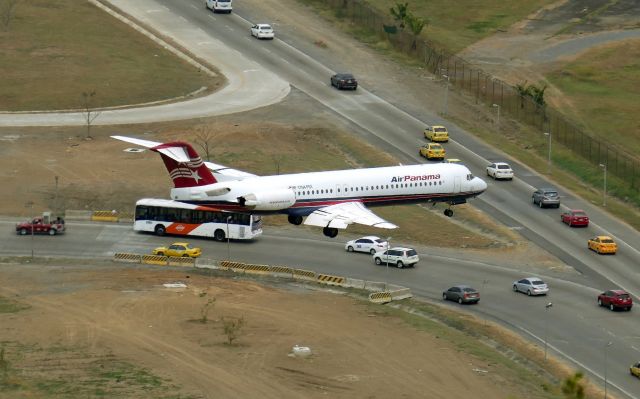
(194,7)
(153,10)
(203,43)
(183,18)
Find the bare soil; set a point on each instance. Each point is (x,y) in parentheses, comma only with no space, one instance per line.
(101,315)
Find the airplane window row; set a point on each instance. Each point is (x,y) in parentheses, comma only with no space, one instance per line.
(367,188)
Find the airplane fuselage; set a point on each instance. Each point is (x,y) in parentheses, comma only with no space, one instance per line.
(302,193)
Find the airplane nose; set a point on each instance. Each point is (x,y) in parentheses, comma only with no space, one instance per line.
(479,184)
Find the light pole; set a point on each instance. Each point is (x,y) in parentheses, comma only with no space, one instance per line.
(605,367)
(498,123)
(604,193)
(446,93)
(228,246)
(29,205)
(546,328)
(549,157)
(484,283)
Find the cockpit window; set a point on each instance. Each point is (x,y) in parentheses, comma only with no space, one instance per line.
(469,177)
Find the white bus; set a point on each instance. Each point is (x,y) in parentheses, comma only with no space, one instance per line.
(219,5)
(162,217)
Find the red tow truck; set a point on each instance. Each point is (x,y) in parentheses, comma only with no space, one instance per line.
(41,225)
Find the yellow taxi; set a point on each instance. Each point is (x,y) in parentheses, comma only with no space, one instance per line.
(635,370)
(432,151)
(436,133)
(178,249)
(603,245)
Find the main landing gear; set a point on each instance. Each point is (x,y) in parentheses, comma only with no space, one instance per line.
(330,232)
(293,219)
(448,212)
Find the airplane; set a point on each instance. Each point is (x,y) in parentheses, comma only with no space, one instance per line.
(329,199)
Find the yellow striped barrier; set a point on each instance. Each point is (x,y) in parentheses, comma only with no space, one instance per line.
(105,216)
(181,261)
(304,274)
(380,297)
(329,279)
(154,260)
(258,269)
(124,257)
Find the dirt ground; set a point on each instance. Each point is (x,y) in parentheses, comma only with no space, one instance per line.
(81,316)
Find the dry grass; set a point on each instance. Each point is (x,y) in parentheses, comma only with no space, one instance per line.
(56,50)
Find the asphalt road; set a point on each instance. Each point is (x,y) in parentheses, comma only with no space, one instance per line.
(577,329)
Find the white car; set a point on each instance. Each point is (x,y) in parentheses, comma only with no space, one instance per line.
(531,286)
(262,31)
(397,256)
(370,244)
(500,170)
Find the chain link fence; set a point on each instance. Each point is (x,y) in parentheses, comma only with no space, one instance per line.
(490,90)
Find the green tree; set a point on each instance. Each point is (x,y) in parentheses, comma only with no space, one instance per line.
(572,387)
(416,25)
(399,13)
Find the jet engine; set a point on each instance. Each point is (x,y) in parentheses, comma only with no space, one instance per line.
(272,200)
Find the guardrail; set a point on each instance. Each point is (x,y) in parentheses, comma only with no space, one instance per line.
(383,292)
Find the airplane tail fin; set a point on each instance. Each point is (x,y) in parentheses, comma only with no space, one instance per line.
(183,162)
(184,165)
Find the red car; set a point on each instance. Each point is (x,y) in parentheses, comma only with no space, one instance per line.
(615,299)
(575,217)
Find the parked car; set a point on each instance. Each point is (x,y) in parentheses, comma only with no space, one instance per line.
(500,170)
(262,31)
(397,256)
(370,244)
(436,133)
(461,294)
(635,369)
(575,218)
(615,299)
(344,81)
(531,286)
(178,249)
(603,245)
(546,197)
(432,151)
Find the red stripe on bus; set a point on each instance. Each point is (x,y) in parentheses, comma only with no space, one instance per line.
(181,228)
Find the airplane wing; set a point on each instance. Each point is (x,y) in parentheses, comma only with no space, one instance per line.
(341,215)
(220,172)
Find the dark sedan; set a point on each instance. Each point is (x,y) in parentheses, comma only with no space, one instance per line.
(461,294)
(344,81)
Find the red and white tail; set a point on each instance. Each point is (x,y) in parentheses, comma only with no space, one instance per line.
(185,166)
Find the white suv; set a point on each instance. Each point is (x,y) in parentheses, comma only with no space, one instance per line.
(397,256)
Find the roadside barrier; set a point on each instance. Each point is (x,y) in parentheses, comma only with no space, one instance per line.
(105,216)
(181,261)
(384,293)
(331,280)
(154,260)
(281,270)
(402,293)
(380,297)
(124,257)
(304,274)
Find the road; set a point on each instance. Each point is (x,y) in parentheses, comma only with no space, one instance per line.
(577,330)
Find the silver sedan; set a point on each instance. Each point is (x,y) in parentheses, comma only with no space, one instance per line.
(531,286)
